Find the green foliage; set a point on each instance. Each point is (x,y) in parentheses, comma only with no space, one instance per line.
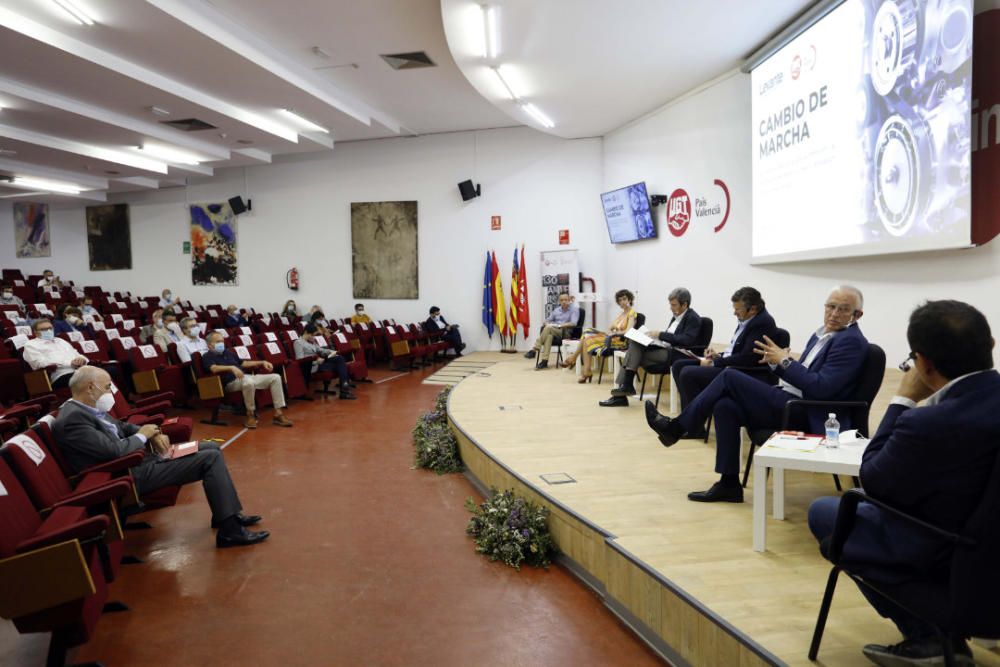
(435,444)
(511,529)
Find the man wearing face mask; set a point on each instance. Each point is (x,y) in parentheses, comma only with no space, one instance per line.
(89,436)
(7,298)
(168,300)
(327,360)
(46,350)
(831,364)
(155,323)
(234,318)
(236,377)
(169,333)
(359,316)
(49,279)
(191,340)
(68,318)
(88,308)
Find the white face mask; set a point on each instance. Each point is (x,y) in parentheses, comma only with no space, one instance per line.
(105,402)
(8,295)
(167,296)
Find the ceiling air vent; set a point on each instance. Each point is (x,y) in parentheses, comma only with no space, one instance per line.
(412,60)
(188,124)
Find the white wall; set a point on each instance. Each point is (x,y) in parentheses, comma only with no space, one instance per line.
(706,136)
(301,217)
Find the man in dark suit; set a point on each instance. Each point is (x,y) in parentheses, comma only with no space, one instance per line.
(829,370)
(451,334)
(88,436)
(933,462)
(681,332)
(753,323)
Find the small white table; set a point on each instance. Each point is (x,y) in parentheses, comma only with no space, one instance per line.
(844,460)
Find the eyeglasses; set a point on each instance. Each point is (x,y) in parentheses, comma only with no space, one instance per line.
(907,364)
(842,309)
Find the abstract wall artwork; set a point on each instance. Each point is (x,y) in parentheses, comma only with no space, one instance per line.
(109,239)
(31,230)
(384,249)
(214,260)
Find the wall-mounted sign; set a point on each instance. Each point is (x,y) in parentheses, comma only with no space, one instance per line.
(187,248)
(495,223)
(563,237)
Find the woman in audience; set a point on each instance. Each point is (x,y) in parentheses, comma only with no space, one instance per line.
(290,311)
(593,340)
(68,318)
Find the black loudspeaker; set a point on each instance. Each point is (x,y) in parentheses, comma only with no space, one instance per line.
(236,203)
(468,190)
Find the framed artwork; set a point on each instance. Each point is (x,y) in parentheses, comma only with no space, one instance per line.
(214,260)
(31,230)
(384,250)
(109,238)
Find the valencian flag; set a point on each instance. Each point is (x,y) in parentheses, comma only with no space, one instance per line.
(488,296)
(522,297)
(499,307)
(512,315)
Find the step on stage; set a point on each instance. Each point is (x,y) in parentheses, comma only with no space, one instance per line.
(684,575)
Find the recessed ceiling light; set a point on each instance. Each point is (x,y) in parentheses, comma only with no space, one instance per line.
(169,154)
(159,111)
(491,27)
(45,184)
(503,82)
(536,113)
(74,11)
(308,124)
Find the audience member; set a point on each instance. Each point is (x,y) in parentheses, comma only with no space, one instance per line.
(327,359)
(191,340)
(46,350)
(7,298)
(236,377)
(594,340)
(831,364)
(290,311)
(359,316)
(753,323)
(451,334)
(68,318)
(155,324)
(168,300)
(49,280)
(681,332)
(88,435)
(88,308)
(557,325)
(318,319)
(169,333)
(234,318)
(933,462)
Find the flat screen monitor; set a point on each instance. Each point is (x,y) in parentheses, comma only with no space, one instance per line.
(628,214)
(860,133)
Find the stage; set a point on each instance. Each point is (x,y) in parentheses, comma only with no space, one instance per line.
(684,575)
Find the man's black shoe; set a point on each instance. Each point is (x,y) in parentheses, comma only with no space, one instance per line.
(614,402)
(695,435)
(242,538)
(461,347)
(244,519)
(542,365)
(623,391)
(916,652)
(530,354)
(652,414)
(718,494)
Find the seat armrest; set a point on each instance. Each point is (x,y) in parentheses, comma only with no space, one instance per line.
(116,465)
(91,528)
(164,398)
(97,495)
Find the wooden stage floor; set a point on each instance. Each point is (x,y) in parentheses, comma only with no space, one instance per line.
(529,424)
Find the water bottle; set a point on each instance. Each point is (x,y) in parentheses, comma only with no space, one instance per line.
(832,427)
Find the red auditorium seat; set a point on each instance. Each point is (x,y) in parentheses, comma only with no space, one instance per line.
(153,374)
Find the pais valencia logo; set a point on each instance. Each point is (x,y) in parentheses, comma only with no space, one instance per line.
(678,212)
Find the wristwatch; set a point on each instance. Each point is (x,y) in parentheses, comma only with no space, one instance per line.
(786,362)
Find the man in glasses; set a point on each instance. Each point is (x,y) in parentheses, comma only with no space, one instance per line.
(829,369)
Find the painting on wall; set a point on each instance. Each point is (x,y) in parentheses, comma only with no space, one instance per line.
(31,230)
(384,249)
(109,239)
(214,260)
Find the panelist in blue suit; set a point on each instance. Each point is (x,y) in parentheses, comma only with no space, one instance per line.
(829,369)
(933,462)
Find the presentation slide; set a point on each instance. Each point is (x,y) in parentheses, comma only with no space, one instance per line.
(628,215)
(861,133)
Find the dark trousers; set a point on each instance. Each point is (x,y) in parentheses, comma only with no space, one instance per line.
(882,549)
(336,365)
(206,465)
(637,356)
(453,338)
(734,400)
(691,378)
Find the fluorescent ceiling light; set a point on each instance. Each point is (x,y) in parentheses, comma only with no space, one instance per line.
(74,11)
(503,82)
(47,185)
(308,124)
(169,154)
(491,28)
(535,113)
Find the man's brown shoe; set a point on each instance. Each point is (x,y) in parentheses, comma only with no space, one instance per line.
(282,421)
(251,422)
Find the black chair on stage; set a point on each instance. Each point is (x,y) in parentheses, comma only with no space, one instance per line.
(663,369)
(605,352)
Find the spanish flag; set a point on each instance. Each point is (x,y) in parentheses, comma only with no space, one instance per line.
(499,306)
(512,316)
(488,295)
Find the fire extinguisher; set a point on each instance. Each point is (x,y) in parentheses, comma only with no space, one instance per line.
(292,278)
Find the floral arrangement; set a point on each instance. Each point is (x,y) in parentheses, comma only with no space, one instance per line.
(511,529)
(435,444)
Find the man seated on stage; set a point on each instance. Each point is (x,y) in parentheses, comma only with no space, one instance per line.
(681,332)
(753,323)
(831,365)
(451,335)
(327,359)
(234,318)
(557,325)
(932,462)
(359,316)
(236,377)
(46,350)
(191,340)
(88,435)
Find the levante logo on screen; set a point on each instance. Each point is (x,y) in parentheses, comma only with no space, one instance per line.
(681,206)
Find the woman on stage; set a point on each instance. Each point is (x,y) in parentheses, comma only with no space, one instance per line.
(593,339)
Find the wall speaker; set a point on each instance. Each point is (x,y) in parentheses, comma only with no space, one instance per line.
(468,190)
(238,206)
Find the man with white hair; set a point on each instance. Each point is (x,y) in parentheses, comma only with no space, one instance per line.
(46,350)
(88,435)
(829,369)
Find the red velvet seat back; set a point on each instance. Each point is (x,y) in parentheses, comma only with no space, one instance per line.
(40,475)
